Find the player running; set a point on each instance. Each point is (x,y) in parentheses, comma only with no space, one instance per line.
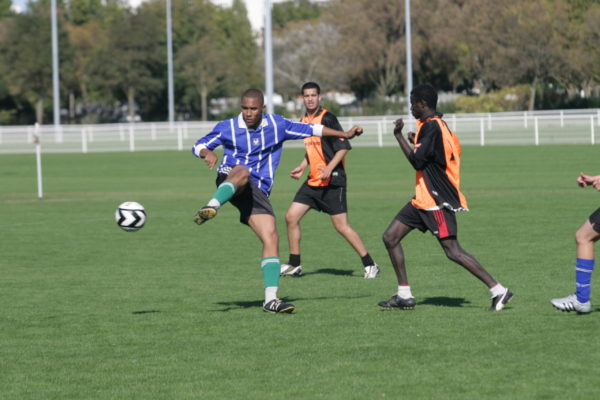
(252,144)
(585,237)
(435,156)
(325,188)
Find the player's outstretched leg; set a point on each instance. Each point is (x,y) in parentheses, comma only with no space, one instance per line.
(500,294)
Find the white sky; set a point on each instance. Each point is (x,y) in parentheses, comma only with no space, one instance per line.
(255,9)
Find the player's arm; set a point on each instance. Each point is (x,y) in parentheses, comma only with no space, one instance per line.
(406,148)
(354,131)
(337,158)
(299,170)
(203,148)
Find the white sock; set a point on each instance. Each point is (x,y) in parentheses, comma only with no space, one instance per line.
(497,290)
(404,292)
(214,203)
(270,293)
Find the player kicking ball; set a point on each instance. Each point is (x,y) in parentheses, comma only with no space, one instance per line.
(252,144)
(435,155)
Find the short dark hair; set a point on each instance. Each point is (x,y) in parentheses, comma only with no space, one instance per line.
(254,94)
(310,85)
(426,93)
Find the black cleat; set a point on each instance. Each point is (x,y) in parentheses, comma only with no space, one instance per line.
(498,302)
(278,306)
(398,302)
(204,214)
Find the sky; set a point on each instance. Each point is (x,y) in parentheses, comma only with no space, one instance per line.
(255,9)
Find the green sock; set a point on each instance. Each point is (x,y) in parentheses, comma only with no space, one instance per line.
(271,269)
(224,193)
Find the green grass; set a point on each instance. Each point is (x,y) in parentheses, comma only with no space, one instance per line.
(88,311)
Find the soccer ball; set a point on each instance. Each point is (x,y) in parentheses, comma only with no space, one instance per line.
(130,216)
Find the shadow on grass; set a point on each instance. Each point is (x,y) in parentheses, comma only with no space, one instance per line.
(445,301)
(331,271)
(236,305)
(145,312)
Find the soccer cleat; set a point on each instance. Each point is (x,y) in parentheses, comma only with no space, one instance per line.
(371,271)
(204,214)
(570,303)
(278,306)
(498,302)
(398,302)
(290,270)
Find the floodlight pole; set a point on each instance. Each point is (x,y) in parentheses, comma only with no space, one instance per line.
(55,79)
(409,73)
(268,57)
(170,65)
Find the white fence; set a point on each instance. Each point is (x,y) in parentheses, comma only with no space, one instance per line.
(524,128)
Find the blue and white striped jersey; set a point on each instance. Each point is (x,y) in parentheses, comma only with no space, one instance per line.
(258,149)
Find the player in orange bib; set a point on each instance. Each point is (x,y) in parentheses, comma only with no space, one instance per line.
(435,155)
(325,188)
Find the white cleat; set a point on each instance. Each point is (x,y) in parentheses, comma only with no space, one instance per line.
(290,270)
(570,303)
(371,271)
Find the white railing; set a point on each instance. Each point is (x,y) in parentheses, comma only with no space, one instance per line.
(523,128)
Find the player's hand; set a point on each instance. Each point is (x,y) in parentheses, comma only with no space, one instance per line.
(210,158)
(325,173)
(584,180)
(297,172)
(354,131)
(411,136)
(398,126)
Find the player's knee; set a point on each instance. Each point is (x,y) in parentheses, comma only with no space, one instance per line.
(453,252)
(291,219)
(389,239)
(582,237)
(239,175)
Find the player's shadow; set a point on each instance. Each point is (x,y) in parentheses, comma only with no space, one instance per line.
(236,305)
(332,271)
(145,312)
(443,301)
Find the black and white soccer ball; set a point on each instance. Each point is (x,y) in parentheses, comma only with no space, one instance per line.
(130,216)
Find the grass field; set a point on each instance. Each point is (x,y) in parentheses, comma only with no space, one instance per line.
(88,311)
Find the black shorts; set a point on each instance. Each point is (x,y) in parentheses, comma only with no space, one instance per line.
(251,200)
(329,199)
(595,220)
(442,223)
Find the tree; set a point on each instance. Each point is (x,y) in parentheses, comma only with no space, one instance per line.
(200,64)
(370,47)
(26,55)
(132,62)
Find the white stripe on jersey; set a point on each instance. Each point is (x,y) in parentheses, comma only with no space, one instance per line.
(248,144)
(233,138)
(274,128)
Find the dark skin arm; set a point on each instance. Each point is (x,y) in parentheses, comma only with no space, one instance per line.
(404,145)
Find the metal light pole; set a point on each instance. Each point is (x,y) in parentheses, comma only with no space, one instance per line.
(170,89)
(268,57)
(409,73)
(55,79)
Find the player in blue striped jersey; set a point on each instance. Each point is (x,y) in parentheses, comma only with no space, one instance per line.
(252,144)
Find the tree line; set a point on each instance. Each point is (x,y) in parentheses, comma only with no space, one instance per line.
(505,54)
